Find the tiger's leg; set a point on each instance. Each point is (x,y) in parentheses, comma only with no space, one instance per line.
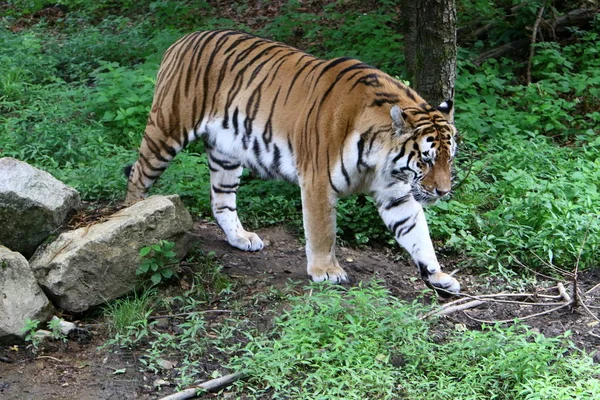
(156,152)
(405,218)
(225,177)
(319,218)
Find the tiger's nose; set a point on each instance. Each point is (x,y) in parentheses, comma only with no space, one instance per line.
(441,192)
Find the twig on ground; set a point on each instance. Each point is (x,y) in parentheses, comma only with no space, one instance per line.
(531,269)
(551,266)
(209,386)
(49,357)
(593,334)
(593,288)
(585,307)
(189,313)
(504,321)
(453,309)
(476,301)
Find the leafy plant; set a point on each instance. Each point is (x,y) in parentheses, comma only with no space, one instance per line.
(158,261)
(30,328)
(55,328)
(363,343)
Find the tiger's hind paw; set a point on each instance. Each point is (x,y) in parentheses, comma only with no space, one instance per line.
(333,273)
(247,241)
(444,284)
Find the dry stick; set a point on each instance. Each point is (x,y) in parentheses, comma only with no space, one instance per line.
(504,321)
(593,334)
(576,272)
(532,44)
(578,295)
(552,266)
(209,386)
(49,357)
(188,313)
(459,307)
(476,301)
(592,289)
(530,269)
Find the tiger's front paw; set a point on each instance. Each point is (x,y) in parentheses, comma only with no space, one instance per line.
(247,241)
(332,273)
(445,285)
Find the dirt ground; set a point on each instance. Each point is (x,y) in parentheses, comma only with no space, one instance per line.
(77,369)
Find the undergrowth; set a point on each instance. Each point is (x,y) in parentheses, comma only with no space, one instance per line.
(365,344)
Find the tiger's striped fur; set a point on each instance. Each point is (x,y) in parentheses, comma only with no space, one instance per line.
(334,127)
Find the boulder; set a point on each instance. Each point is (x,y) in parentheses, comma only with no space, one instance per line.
(33,204)
(97,263)
(20,297)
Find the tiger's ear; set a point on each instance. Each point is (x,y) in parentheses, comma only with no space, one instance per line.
(398,117)
(447,108)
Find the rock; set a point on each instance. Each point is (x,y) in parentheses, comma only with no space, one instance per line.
(43,334)
(97,263)
(33,204)
(20,297)
(65,327)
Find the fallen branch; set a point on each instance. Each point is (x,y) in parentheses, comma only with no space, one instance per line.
(209,386)
(50,358)
(476,301)
(185,314)
(504,321)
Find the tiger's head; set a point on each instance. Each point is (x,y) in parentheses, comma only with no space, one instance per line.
(424,145)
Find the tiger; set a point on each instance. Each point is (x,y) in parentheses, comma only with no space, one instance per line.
(334,127)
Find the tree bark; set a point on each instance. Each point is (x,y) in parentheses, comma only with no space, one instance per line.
(430,47)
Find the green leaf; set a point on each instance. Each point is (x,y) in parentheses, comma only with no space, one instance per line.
(156,278)
(144,251)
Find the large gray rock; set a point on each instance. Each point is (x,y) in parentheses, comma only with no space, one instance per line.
(20,297)
(94,264)
(33,204)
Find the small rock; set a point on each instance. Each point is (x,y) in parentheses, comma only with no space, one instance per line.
(65,326)
(166,364)
(162,323)
(42,334)
(160,382)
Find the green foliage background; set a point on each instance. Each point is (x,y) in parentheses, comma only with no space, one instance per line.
(75,92)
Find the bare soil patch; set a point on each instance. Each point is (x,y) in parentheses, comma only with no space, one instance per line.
(77,369)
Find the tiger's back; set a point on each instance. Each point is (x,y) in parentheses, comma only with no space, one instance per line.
(256,103)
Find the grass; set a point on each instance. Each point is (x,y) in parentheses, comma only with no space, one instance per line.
(363,343)
(333,343)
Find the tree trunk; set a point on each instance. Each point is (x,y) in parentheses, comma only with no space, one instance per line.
(430,47)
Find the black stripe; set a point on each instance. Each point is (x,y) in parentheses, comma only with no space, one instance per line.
(397,225)
(296,75)
(397,202)
(232,209)
(223,163)
(329,176)
(410,228)
(234,120)
(221,191)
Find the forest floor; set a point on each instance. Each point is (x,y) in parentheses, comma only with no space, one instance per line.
(78,369)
